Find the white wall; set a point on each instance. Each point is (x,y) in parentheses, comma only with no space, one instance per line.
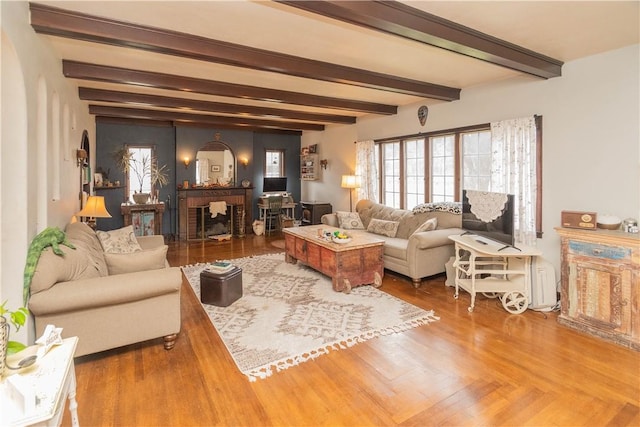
(28,65)
(591,143)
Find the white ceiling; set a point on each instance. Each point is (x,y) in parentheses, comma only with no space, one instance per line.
(562,30)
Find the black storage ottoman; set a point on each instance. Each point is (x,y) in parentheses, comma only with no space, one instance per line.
(221,289)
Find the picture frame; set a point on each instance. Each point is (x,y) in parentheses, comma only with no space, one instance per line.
(98,180)
(215,168)
(313,149)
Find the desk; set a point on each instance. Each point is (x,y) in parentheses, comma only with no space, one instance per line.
(288,208)
(53,379)
(504,273)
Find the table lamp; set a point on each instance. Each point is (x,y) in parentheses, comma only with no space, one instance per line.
(94,208)
(350,182)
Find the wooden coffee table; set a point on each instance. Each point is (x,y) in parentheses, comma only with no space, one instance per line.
(352,264)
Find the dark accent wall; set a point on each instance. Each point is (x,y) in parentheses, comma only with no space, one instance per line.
(110,137)
(172,145)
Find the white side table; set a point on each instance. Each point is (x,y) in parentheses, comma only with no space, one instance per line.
(52,379)
(496,271)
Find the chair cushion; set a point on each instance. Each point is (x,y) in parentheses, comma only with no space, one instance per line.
(120,241)
(150,259)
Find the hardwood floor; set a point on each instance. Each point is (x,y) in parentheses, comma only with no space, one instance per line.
(484,368)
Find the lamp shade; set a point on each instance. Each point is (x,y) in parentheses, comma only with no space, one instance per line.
(94,208)
(350,181)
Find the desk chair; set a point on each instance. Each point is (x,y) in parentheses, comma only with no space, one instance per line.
(273,213)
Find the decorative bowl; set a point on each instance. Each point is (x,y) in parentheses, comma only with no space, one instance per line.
(615,226)
(340,241)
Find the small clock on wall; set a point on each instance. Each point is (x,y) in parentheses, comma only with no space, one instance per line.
(246,183)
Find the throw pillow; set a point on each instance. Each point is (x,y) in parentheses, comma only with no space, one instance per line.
(121,241)
(52,268)
(428,225)
(150,259)
(349,220)
(384,228)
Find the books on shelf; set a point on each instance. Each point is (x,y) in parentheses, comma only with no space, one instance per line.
(220,266)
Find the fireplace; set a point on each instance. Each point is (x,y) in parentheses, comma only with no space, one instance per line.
(195,222)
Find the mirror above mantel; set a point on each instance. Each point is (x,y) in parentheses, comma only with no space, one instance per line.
(215,164)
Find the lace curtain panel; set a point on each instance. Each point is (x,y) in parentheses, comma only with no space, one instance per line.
(367,170)
(513,171)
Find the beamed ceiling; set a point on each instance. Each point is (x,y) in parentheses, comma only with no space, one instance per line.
(295,66)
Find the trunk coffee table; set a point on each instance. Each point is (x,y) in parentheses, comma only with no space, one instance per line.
(355,263)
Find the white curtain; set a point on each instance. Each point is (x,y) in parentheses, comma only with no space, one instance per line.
(513,171)
(367,170)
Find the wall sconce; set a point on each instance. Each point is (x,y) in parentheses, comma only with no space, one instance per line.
(245,162)
(81,156)
(186,161)
(323,163)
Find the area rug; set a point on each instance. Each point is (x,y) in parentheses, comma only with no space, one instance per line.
(290,314)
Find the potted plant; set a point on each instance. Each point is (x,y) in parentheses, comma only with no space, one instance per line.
(18,319)
(141,168)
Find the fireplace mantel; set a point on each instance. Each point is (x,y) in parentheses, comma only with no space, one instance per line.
(190,200)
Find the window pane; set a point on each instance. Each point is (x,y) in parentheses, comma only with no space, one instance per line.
(414,173)
(140,170)
(391,174)
(442,167)
(274,163)
(476,160)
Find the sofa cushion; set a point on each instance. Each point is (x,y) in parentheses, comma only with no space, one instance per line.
(150,259)
(383,227)
(428,225)
(86,241)
(349,220)
(120,241)
(396,248)
(52,268)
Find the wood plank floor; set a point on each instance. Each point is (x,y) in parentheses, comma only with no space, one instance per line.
(485,368)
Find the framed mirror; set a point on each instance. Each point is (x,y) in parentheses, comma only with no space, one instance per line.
(216,165)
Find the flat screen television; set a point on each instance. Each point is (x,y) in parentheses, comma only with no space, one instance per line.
(500,229)
(274,185)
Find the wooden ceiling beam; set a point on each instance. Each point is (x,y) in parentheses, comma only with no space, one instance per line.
(399,19)
(102,95)
(140,113)
(63,23)
(95,72)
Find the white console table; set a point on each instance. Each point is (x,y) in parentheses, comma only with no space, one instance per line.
(52,379)
(492,269)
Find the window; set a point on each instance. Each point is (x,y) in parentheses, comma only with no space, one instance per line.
(390,175)
(476,160)
(139,174)
(442,168)
(274,163)
(456,159)
(415,172)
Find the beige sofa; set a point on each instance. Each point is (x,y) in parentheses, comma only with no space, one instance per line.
(108,300)
(415,254)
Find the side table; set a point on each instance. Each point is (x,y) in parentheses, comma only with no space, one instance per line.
(490,268)
(52,379)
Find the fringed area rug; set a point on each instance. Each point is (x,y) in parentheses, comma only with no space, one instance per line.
(289,314)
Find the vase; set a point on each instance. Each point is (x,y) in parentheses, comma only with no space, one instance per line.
(141,198)
(4,342)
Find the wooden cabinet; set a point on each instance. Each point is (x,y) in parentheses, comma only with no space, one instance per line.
(600,289)
(356,263)
(309,167)
(146,219)
(312,212)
